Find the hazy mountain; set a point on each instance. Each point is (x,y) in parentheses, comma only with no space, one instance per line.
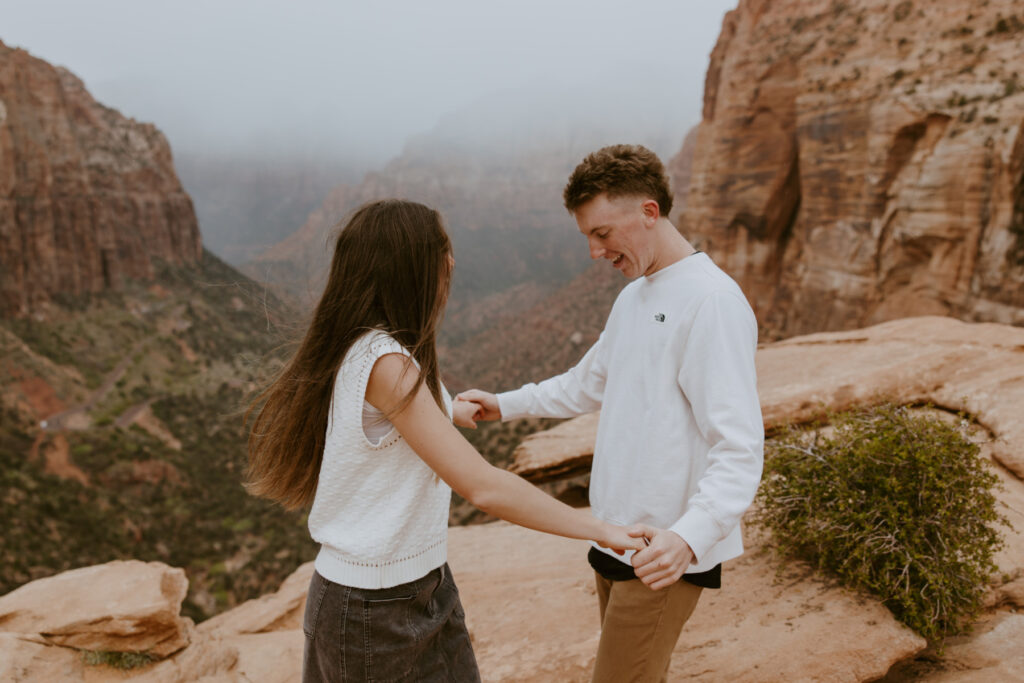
(248,202)
(496,171)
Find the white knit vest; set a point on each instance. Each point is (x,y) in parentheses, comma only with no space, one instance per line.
(380,513)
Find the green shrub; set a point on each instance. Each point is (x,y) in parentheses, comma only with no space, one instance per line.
(893,501)
(117,660)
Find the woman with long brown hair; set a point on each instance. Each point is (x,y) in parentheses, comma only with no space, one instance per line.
(359,424)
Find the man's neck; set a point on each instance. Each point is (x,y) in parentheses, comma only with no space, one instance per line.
(672,246)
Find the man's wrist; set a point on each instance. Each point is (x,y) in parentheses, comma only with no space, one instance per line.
(698,530)
(508,404)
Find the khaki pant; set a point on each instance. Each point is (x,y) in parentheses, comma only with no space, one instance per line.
(639,629)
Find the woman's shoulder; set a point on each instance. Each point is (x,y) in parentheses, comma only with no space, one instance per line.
(362,357)
(373,344)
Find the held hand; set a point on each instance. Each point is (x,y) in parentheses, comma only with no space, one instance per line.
(465,413)
(664,560)
(488,403)
(619,539)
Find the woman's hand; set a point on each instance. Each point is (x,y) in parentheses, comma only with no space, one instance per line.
(488,403)
(465,413)
(618,539)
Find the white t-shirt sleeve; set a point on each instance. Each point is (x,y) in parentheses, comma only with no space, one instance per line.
(719,380)
(575,392)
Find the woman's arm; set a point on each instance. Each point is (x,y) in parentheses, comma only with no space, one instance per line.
(495,491)
(577,391)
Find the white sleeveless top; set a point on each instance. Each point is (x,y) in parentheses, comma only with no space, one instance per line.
(380,513)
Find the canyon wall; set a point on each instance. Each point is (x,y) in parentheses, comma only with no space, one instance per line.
(863,161)
(88,197)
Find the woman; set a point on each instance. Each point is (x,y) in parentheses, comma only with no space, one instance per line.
(358,423)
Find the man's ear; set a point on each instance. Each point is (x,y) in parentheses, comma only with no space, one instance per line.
(651,211)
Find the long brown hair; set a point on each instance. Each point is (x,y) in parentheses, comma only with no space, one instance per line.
(390,271)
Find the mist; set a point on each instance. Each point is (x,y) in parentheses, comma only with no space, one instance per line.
(356,81)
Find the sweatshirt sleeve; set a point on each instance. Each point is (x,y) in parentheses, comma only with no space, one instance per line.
(719,379)
(575,392)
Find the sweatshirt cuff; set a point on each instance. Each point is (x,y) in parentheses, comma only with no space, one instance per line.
(699,529)
(513,404)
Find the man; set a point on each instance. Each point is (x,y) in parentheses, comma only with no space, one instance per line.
(679,442)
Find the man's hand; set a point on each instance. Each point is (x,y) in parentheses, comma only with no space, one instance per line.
(488,403)
(465,413)
(663,562)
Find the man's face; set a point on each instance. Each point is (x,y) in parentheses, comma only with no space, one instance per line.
(622,231)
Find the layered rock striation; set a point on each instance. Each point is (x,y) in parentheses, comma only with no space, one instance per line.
(88,197)
(863,161)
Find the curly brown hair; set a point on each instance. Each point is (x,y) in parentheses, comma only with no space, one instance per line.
(619,171)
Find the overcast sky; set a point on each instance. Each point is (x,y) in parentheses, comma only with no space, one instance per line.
(360,78)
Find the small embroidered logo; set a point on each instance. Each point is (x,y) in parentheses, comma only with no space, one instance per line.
(660,317)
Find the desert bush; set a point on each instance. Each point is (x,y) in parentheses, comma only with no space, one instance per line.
(893,501)
(117,660)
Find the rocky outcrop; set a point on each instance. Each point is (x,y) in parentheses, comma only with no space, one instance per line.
(755,629)
(680,169)
(88,198)
(131,607)
(978,368)
(122,606)
(975,367)
(277,611)
(864,161)
(542,626)
(563,451)
(529,597)
(992,654)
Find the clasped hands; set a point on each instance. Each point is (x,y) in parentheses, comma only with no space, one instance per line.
(665,558)
(473,405)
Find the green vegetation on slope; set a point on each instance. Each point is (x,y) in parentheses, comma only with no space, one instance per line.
(894,502)
(188,348)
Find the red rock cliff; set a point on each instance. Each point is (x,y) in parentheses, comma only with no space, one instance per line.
(87,196)
(861,161)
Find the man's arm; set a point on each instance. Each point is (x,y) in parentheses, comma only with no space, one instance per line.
(719,380)
(575,392)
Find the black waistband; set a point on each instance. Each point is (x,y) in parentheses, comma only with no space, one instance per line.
(614,570)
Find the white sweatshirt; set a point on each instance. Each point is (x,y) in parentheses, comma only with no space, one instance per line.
(680,439)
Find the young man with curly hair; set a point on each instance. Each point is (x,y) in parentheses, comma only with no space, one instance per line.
(679,444)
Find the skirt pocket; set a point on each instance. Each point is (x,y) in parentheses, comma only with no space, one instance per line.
(394,643)
(314,598)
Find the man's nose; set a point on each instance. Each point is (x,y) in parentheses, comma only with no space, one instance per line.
(596,250)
